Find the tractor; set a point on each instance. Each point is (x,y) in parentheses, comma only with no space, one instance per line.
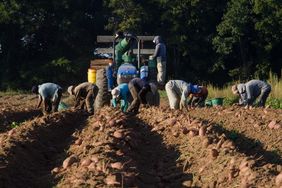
(125,56)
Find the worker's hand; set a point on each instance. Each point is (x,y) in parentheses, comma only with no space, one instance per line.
(182,105)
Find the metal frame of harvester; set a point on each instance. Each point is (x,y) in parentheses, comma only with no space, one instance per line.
(103,97)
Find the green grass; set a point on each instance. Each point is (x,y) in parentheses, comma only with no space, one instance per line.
(10,92)
(15,124)
(274,100)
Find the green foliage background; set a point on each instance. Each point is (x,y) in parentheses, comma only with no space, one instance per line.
(213,41)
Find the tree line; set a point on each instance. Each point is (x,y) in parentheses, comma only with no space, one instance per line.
(213,41)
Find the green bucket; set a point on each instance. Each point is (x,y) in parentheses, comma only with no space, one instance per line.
(62,106)
(217,101)
(208,103)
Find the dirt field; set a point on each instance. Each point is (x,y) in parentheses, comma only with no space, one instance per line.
(208,147)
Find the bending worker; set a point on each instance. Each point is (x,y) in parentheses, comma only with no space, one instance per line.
(160,56)
(178,91)
(85,93)
(250,91)
(50,94)
(121,93)
(138,89)
(198,99)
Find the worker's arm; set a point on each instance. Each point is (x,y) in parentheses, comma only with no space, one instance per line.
(142,94)
(39,101)
(77,98)
(157,49)
(114,102)
(190,100)
(183,100)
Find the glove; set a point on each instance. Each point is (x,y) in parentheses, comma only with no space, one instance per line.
(114,103)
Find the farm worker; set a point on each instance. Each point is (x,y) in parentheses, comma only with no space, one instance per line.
(138,89)
(110,76)
(85,93)
(252,90)
(160,56)
(144,71)
(50,94)
(121,93)
(198,99)
(178,92)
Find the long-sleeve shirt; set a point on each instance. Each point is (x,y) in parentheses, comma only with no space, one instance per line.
(143,87)
(251,90)
(160,49)
(81,91)
(182,88)
(49,91)
(124,91)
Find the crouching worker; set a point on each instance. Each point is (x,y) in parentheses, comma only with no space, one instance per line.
(138,89)
(85,94)
(252,90)
(121,93)
(50,94)
(178,91)
(198,99)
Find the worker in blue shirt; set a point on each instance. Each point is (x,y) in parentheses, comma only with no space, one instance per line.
(121,93)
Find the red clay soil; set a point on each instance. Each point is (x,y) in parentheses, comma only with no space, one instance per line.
(160,148)
(249,128)
(227,169)
(30,151)
(17,109)
(209,147)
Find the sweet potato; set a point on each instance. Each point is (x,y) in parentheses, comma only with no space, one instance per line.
(69,161)
(111,180)
(278,179)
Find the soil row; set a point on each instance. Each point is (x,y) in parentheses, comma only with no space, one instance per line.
(29,152)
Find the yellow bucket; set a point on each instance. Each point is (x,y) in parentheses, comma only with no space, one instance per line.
(91,76)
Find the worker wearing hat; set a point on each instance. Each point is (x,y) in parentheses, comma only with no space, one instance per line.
(178,91)
(138,89)
(198,99)
(252,90)
(50,94)
(121,93)
(160,56)
(85,94)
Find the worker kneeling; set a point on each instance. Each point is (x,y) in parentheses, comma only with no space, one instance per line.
(138,89)
(252,90)
(178,91)
(85,94)
(120,93)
